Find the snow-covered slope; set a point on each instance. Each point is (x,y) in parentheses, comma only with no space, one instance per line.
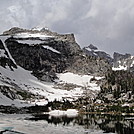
(23,79)
(79,80)
(18,86)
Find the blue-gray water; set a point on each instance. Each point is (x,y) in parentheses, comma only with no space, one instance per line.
(82,124)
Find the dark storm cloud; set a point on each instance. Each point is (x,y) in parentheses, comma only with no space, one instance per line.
(106,23)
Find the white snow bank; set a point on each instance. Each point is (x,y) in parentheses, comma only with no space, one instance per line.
(119,68)
(51,49)
(39,28)
(74,78)
(40,102)
(28,35)
(125,104)
(132,64)
(80,80)
(30,42)
(68,113)
(26,81)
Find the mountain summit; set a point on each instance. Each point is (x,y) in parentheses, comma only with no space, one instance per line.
(92,50)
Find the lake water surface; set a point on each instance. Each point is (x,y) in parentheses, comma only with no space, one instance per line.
(82,124)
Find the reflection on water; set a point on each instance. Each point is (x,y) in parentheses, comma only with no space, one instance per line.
(10,132)
(82,124)
(107,123)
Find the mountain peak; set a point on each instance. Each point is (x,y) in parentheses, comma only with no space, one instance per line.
(93,51)
(118,56)
(17,30)
(40,28)
(39,32)
(14,30)
(91,47)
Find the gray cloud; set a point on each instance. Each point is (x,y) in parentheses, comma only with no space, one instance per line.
(106,23)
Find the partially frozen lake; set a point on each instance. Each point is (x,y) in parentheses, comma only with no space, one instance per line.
(82,124)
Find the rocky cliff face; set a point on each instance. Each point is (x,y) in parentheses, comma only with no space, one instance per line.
(117,87)
(33,64)
(92,50)
(118,62)
(53,54)
(5,58)
(38,66)
(123,62)
(44,55)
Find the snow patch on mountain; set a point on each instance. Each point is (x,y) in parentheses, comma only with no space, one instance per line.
(132,62)
(123,62)
(51,49)
(26,81)
(80,80)
(119,68)
(32,35)
(68,113)
(30,42)
(93,51)
(39,28)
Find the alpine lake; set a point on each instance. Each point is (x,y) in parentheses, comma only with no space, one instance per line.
(80,124)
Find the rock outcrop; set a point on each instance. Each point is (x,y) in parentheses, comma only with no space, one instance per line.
(123,62)
(53,54)
(34,65)
(5,59)
(93,51)
(30,61)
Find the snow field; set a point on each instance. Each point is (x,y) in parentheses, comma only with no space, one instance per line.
(26,81)
(28,35)
(68,113)
(80,80)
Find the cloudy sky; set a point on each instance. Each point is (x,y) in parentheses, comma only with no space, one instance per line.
(108,24)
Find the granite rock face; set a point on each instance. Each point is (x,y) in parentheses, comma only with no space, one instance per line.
(125,62)
(46,54)
(5,59)
(118,56)
(30,61)
(92,50)
(118,62)
(51,55)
